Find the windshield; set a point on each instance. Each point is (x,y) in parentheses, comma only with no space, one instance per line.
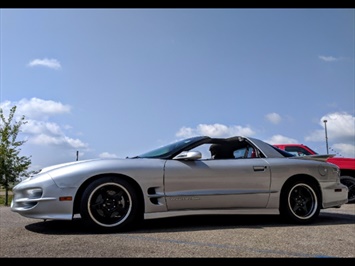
(284,153)
(167,150)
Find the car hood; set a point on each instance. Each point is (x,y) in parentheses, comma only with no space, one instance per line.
(56,166)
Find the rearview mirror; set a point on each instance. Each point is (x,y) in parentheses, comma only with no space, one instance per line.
(188,155)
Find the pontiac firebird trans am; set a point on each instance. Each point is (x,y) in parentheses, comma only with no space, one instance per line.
(195,176)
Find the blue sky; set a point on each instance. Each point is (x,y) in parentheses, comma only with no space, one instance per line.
(119,82)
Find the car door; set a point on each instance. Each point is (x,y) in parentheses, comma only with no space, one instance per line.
(216,184)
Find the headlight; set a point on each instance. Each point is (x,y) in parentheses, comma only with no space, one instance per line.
(32,193)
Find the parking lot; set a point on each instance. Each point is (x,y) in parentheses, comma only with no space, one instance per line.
(332,236)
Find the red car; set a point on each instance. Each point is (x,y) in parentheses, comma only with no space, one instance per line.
(346,165)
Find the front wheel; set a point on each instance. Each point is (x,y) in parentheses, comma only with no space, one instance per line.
(300,202)
(109,203)
(349,181)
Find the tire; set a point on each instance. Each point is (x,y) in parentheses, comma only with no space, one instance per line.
(349,181)
(110,204)
(300,202)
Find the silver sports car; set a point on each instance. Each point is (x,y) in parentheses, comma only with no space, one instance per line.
(194,176)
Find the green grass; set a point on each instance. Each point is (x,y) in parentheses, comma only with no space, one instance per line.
(2,197)
(2,200)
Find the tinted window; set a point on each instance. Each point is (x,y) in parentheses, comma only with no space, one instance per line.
(284,153)
(298,151)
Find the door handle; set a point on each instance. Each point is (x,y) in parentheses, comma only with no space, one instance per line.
(259,168)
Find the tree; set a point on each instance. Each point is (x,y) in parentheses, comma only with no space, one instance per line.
(12,165)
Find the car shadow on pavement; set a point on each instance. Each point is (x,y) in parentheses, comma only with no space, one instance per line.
(189,223)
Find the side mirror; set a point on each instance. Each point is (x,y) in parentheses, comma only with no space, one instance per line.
(188,155)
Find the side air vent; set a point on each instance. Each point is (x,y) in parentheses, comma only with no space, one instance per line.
(154,195)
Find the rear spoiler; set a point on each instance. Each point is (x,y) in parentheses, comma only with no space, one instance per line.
(315,157)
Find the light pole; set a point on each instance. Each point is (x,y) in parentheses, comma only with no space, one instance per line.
(326,134)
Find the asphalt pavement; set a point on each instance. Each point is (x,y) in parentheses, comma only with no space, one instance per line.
(236,236)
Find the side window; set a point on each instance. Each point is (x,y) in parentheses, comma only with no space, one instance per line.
(236,150)
(246,152)
(303,152)
(293,152)
(298,151)
(239,153)
(205,151)
(220,151)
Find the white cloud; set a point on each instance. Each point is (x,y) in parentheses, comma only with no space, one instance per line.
(6,106)
(108,155)
(67,127)
(35,108)
(34,127)
(41,133)
(317,135)
(215,130)
(279,139)
(75,143)
(340,128)
(329,58)
(43,137)
(340,132)
(273,118)
(343,150)
(39,108)
(50,63)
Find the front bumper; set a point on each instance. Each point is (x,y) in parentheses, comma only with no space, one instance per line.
(39,198)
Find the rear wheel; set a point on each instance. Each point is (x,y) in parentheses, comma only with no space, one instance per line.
(109,203)
(349,181)
(300,202)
